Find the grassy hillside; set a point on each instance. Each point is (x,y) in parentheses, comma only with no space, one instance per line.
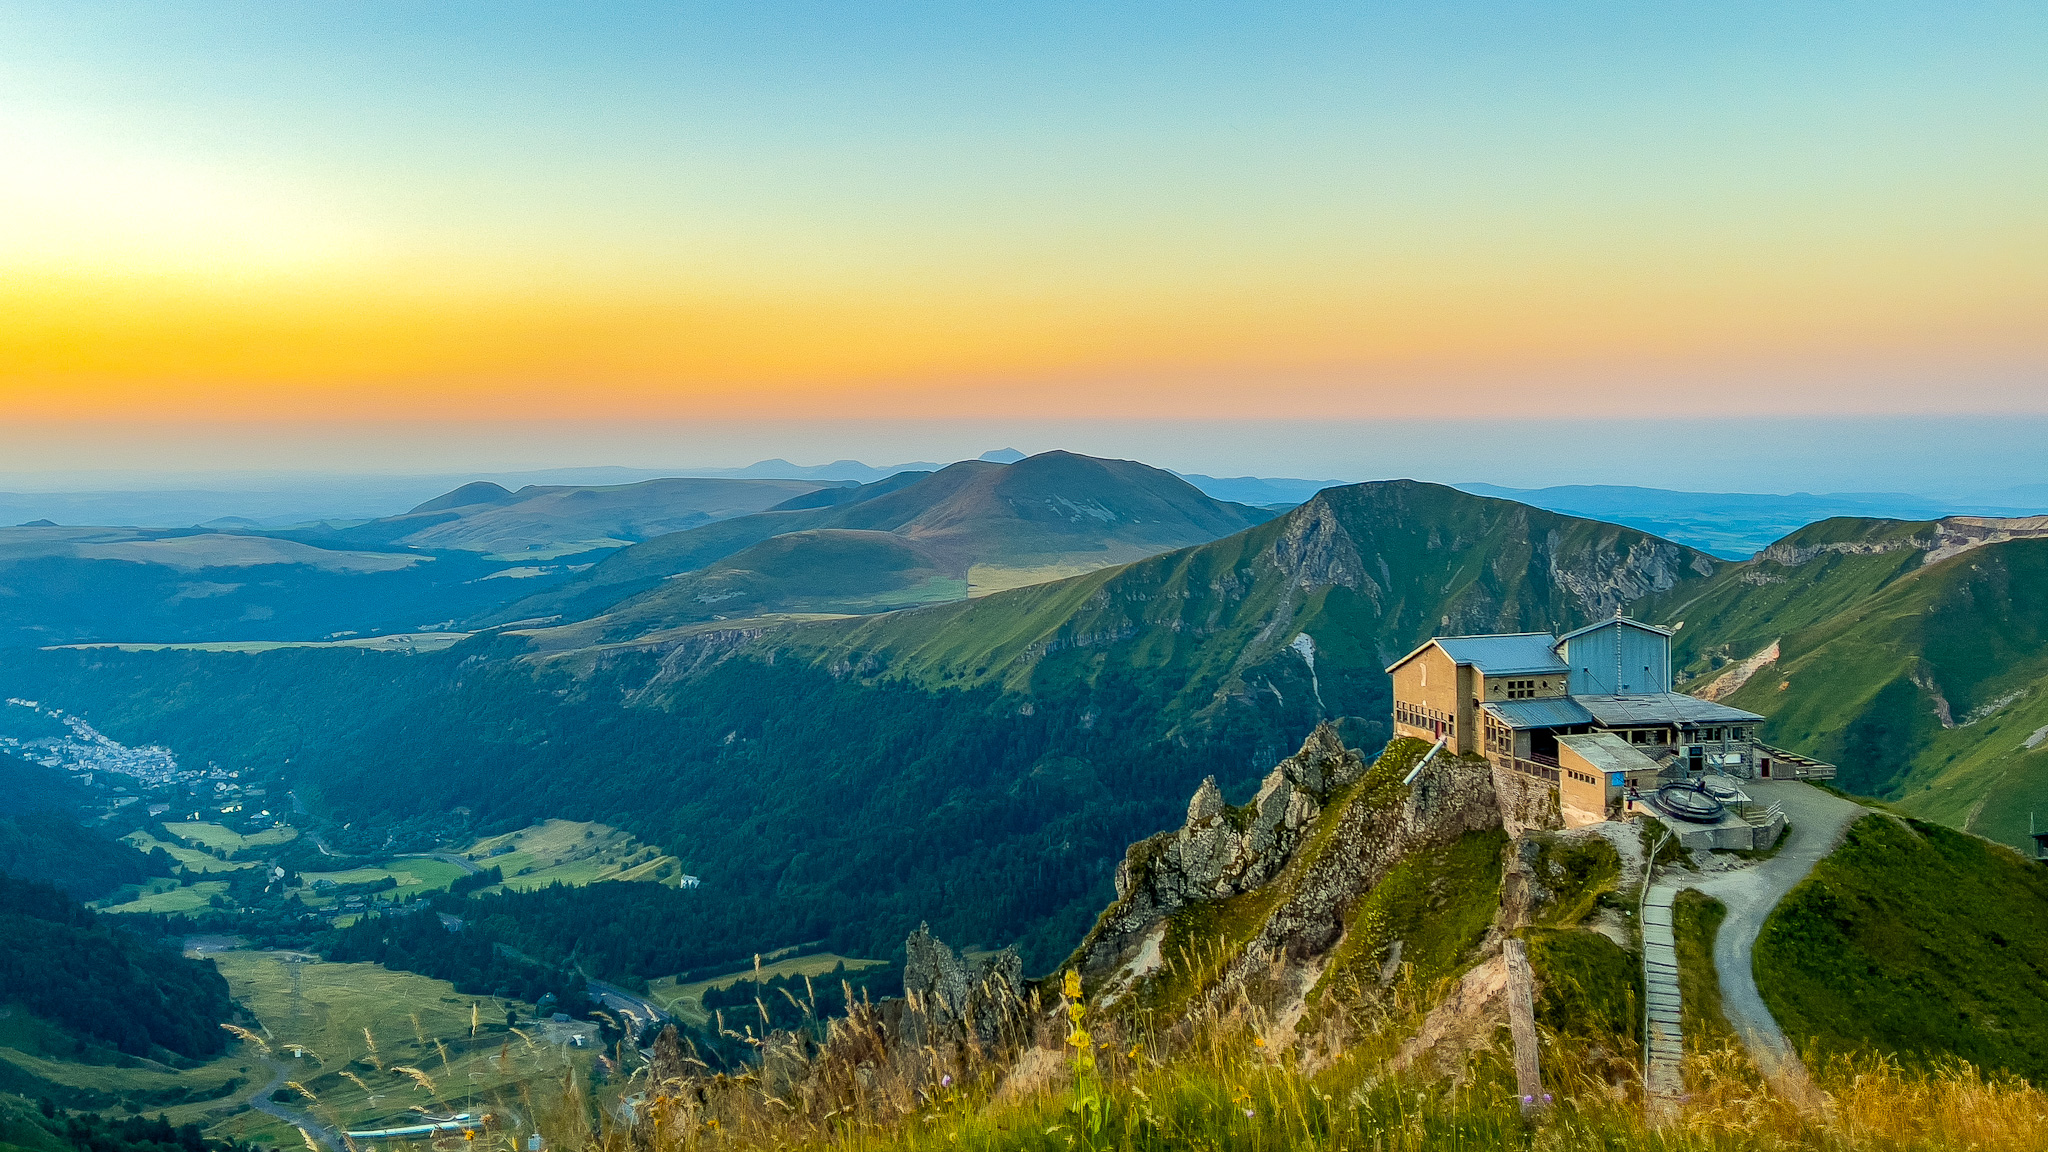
(1926,682)
(822,571)
(357,1024)
(1916,939)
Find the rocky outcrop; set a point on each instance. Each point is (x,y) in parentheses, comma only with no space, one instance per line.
(1316,551)
(1793,555)
(1949,536)
(1371,833)
(1279,876)
(958,999)
(1221,851)
(1603,580)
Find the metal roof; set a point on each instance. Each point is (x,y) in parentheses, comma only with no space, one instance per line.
(1607,752)
(1509,655)
(1599,624)
(1550,712)
(1661,708)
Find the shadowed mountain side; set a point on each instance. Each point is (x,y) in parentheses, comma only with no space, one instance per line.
(82,585)
(840,497)
(1043,517)
(829,570)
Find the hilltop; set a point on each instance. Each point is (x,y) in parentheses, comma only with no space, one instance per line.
(975,527)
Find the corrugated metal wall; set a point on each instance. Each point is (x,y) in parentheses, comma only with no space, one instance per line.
(1644,665)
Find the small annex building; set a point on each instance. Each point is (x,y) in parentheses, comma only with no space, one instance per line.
(1591,711)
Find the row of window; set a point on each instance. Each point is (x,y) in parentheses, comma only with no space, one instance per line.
(1423,716)
(1499,737)
(1523,689)
(1737,734)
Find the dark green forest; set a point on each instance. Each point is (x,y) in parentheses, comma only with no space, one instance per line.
(814,807)
(52,847)
(64,964)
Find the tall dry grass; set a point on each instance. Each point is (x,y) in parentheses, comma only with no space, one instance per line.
(1223,1085)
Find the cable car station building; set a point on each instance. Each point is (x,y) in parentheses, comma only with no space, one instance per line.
(1591,712)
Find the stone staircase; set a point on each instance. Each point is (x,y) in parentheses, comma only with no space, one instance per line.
(1664,1076)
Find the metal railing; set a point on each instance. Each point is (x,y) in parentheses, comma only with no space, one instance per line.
(1536,768)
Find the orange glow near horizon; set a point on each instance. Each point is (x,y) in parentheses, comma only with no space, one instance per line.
(790,211)
(311,348)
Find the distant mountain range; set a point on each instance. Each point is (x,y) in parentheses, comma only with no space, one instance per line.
(1735,525)
(460,557)
(912,538)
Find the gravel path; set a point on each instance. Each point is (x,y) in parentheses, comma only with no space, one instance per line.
(1818,821)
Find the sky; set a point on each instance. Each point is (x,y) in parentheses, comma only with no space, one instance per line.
(403,234)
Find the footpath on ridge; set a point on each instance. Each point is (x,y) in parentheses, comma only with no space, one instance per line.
(1818,819)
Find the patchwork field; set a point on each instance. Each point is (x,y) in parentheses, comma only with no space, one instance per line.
(412,875)
(686,1001)
(571,852)
(369,1045)
(161,894)
(190,859)
(211,836)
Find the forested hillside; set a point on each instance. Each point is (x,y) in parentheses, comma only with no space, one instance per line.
(41,839)
(64,964)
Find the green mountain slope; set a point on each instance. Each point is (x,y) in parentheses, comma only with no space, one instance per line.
(1914,655)
(825,570)
(1366,572)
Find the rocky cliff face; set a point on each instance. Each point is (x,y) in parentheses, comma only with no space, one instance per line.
(1268,888)
(1221,851)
